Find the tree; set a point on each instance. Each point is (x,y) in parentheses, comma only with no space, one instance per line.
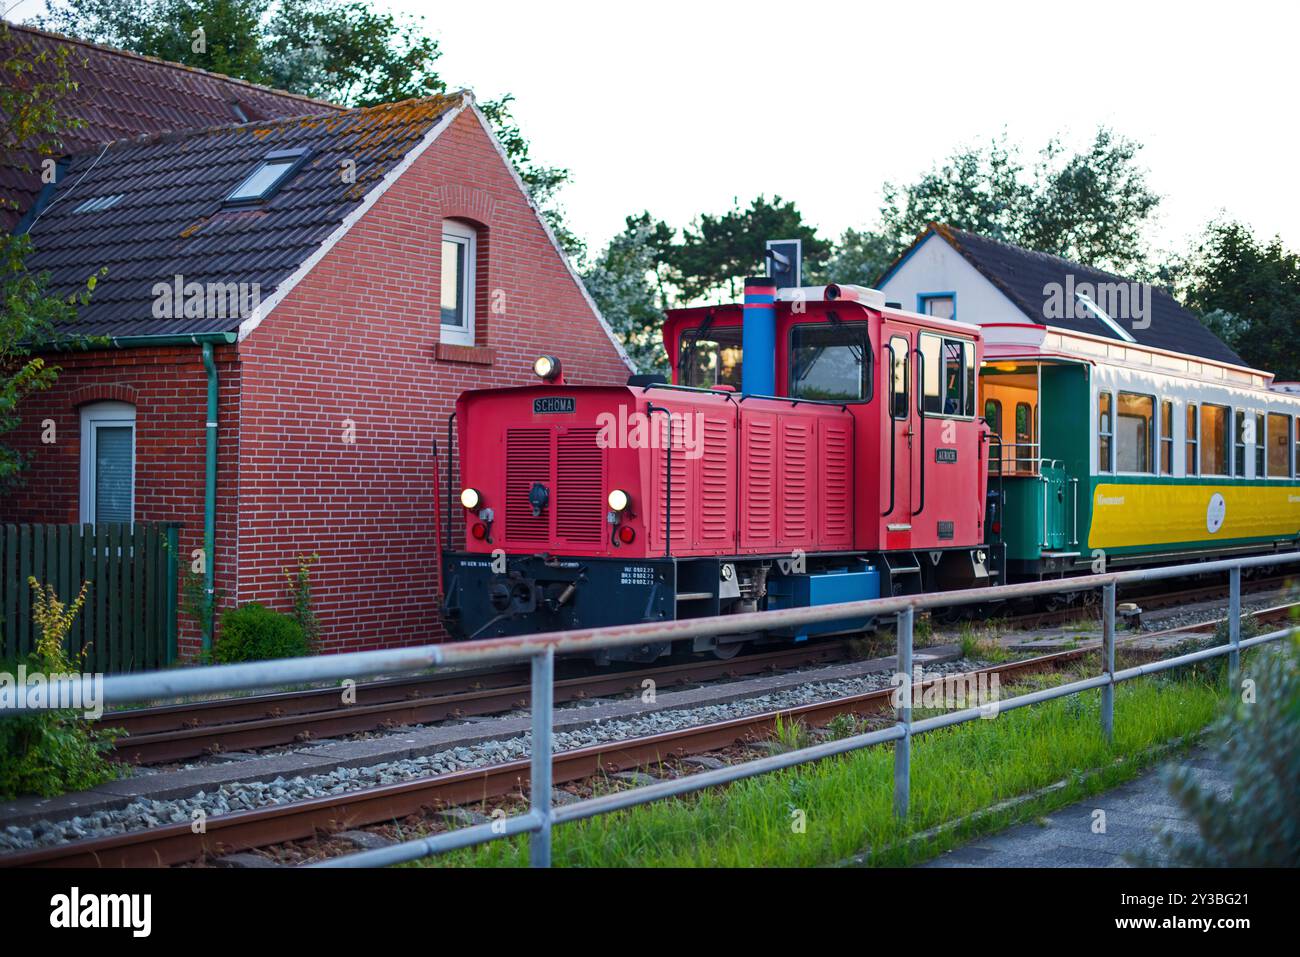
(625,285)
(337,50)
(859,258)
(1090,207)
(542,182)
(979,189)
(29,313)
(1248,293)
(231,41)
(342,51)
(716,252)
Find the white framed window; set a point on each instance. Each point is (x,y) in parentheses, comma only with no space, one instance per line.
(1105,433)
(456,295)
(107,462)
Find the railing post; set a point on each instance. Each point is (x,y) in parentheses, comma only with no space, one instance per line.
(1108,661)
(1234,624)
(539,852)
(903,746)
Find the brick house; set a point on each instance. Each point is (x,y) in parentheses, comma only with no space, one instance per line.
(329,283)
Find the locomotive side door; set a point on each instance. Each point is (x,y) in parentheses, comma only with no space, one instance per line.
(899,434)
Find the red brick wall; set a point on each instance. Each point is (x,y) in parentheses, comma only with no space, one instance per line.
(168,388)
(357,340)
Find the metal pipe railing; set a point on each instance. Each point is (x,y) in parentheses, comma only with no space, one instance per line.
(542,815)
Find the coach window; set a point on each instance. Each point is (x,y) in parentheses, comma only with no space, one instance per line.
(1216,440)
(456,291)
(1193,432)
(830,362)
(107,463)
(1026,452)
(1166,437)
(993,416)
(1105,462)
(1279,445)
(1134,440)
(1239,444)
(898,384)
(1295,459)
(1260,445)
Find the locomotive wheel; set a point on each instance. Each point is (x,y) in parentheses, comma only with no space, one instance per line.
(950,615)
(729,650)
(1060,602)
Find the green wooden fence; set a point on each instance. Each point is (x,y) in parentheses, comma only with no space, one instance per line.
(129,620)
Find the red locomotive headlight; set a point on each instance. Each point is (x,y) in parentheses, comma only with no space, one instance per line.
(479,531)
(626,534)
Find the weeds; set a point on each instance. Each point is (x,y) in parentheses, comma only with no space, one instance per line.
(791,735)
(50,752)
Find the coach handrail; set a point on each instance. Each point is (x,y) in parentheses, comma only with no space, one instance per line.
(893,431)
(920,411)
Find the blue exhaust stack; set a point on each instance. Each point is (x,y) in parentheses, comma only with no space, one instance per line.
(758,338)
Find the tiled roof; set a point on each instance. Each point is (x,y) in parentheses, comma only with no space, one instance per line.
(121,95)
(1022,274)
(172,219)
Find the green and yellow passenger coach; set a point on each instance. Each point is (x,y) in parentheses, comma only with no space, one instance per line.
(1119,451)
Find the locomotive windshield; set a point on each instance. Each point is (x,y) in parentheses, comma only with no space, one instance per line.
(710,357)
(830,361)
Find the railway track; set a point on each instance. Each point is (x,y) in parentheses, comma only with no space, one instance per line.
(181,732)
(225,834)
(177,732)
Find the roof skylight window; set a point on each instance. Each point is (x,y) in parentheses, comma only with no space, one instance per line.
(99,203)
(268,176)
(1106,320)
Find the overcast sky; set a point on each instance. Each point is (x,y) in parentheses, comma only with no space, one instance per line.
(677,107)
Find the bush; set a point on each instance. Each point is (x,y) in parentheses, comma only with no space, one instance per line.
(254,632)
(50,752)
(1258,743)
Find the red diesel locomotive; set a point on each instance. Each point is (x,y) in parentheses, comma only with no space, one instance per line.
(843,459)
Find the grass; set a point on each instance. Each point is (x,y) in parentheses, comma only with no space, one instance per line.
(846,802)
(983,645)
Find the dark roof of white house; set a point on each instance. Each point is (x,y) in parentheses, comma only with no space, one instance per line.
(1022,275)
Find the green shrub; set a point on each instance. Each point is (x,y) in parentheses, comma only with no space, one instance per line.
(1258,743)
(50,752)
(254,632)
